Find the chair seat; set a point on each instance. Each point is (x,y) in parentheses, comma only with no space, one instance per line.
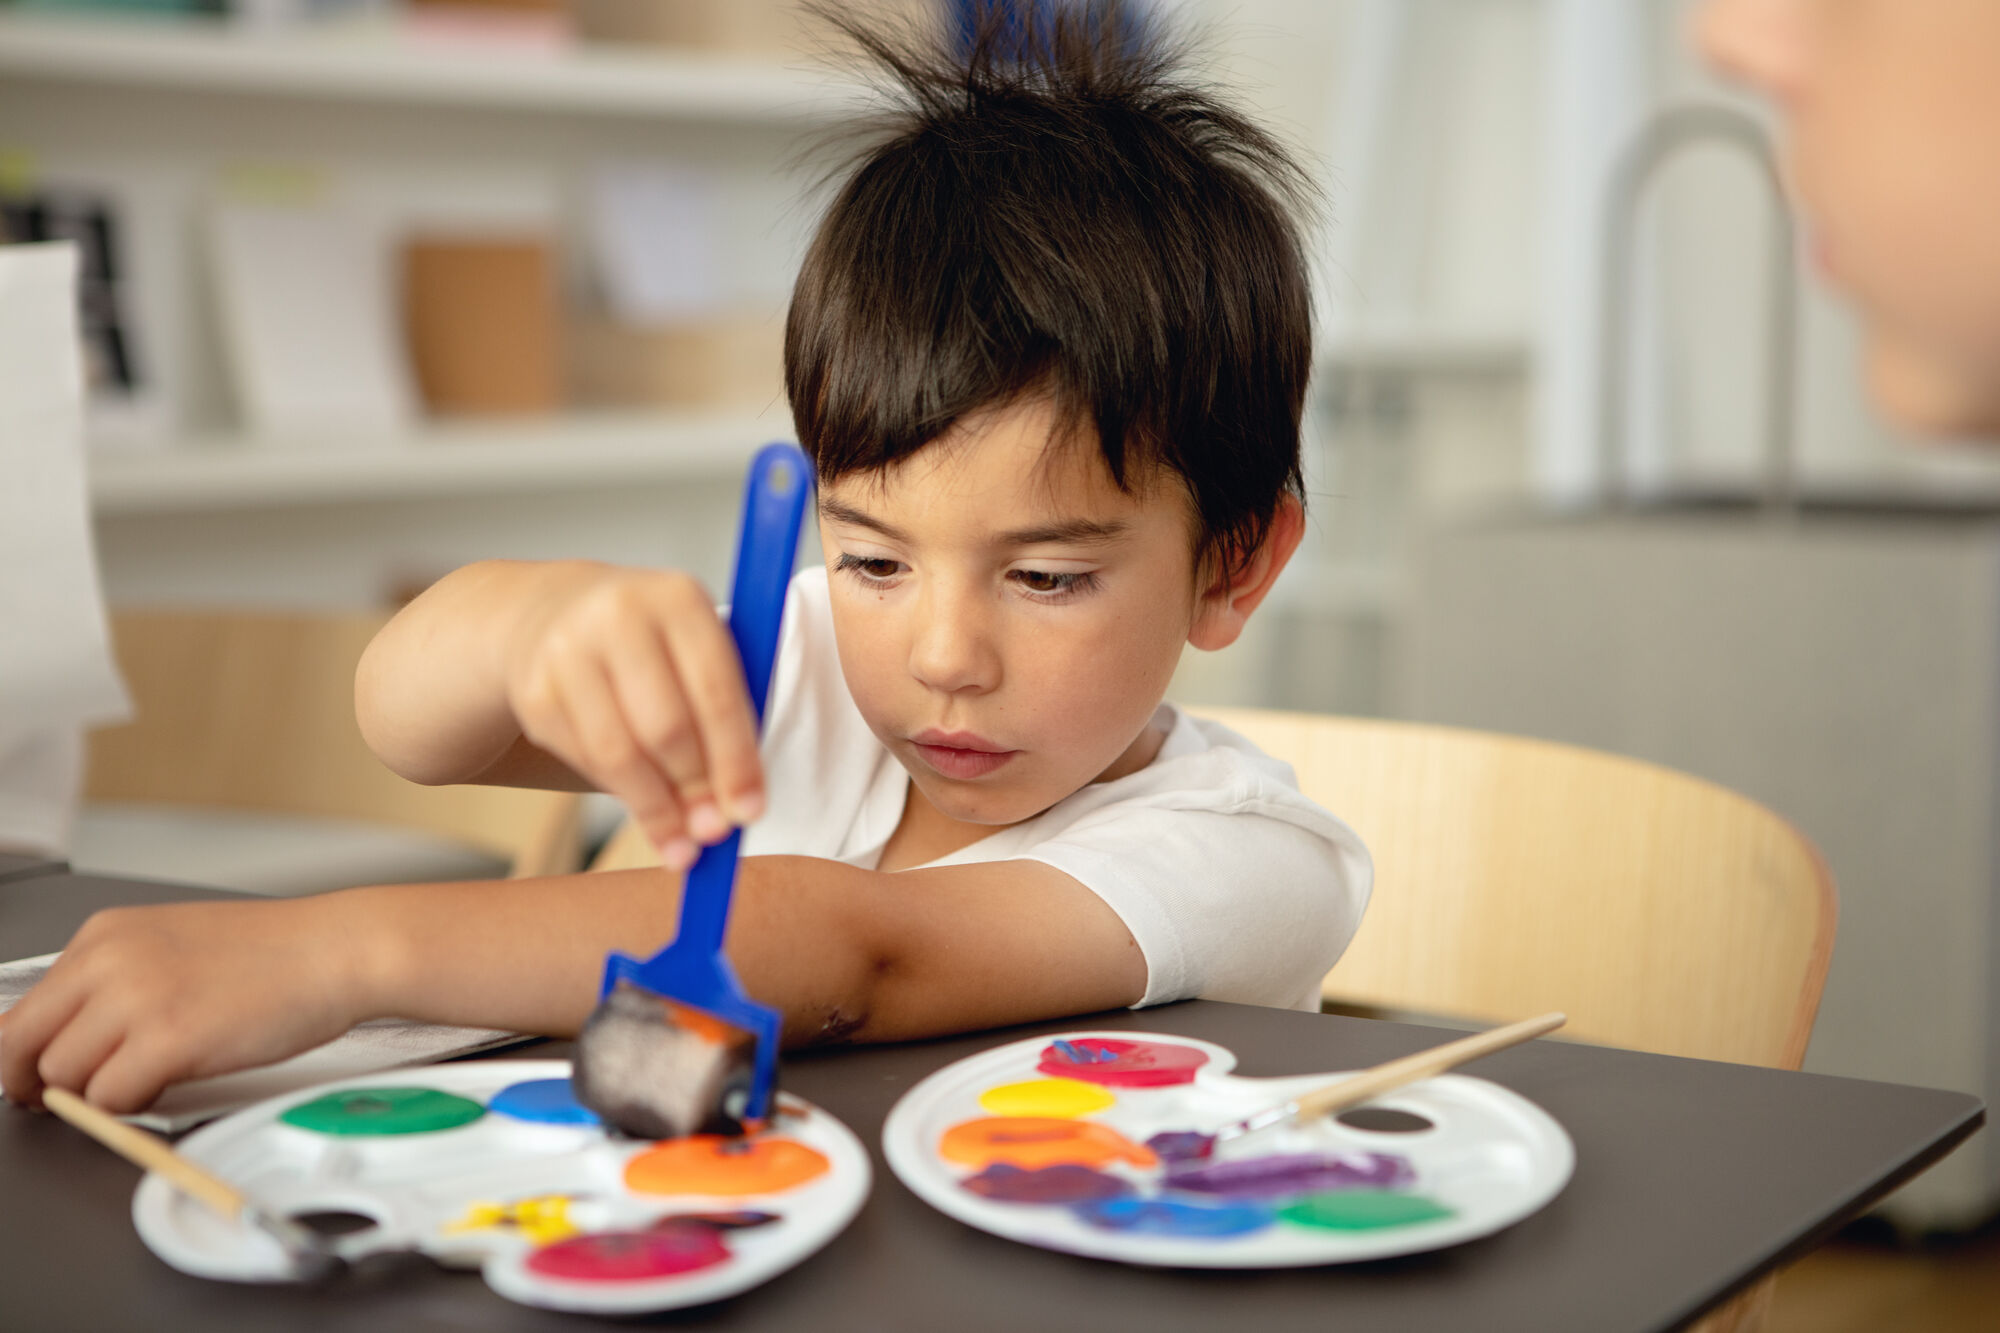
(282,855)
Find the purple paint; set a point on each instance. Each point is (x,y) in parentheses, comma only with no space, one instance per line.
(1065,1183)
(738,1221)
(1175,1217)
(1181,1145)
(1291,1174)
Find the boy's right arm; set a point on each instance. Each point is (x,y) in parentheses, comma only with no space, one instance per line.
(576,675)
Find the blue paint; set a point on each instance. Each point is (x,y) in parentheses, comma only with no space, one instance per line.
(1083,1055)
(1173,1217)
(543,1101)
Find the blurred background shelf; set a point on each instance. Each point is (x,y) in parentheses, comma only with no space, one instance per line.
(575,452)
(383,64)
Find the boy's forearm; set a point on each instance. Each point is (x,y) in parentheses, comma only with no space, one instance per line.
(430,693)
(528,954)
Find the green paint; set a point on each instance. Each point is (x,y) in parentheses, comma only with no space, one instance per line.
(1362,1210)
(383,1111)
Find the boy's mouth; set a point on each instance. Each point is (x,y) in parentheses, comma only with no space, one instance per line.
(960,754)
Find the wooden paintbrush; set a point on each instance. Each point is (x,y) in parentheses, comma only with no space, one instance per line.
(1369,1084)
(310,1255)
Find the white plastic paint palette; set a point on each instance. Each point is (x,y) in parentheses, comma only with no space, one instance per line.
(492,1165)
(1093,1143)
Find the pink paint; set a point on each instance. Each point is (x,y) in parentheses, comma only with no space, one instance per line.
(1122,1064)
(1067,1183)
(1292,1174)
(630,1256)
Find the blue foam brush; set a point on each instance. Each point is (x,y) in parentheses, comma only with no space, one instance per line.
(665,1053)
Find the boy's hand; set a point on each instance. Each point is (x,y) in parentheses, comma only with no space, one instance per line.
(632,680)
(147,996)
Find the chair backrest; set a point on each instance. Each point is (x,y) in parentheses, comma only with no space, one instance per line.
(255,711)
(1513,876)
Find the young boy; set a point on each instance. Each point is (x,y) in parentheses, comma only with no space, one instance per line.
(1048,352)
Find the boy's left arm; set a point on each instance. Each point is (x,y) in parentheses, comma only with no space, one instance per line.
(144,997)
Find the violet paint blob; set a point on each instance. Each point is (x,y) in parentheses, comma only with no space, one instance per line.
(1181,1145)
(1174,1217)
(1066,1183)
(1292,1174)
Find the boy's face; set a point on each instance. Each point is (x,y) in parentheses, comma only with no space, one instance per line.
(1007,617)
(1891,107)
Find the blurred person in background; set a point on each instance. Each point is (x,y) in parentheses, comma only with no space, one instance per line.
(1890,109)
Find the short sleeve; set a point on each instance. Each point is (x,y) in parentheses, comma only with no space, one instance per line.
(1246,905)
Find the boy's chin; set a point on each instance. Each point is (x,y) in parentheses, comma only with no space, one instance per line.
(1927,395)
(977,803)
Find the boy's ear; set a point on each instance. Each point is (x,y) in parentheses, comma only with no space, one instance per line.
(1225,604)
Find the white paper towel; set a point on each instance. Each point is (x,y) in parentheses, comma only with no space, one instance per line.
(56,671)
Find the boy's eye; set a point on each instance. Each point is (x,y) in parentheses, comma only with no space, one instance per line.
(1049,584)
(877,568)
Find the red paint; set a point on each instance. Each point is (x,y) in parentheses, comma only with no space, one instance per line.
(1124,1064)
(629,1256)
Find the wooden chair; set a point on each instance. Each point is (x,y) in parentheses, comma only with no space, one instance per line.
(255,711)
(1661,912)
(1513,876)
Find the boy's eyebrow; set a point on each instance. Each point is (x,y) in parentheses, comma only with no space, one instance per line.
(840,513)
(1068,531)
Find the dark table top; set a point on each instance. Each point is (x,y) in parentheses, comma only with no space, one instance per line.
(1692,1179)
(20,865)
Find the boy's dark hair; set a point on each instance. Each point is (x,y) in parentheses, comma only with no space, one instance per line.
(1053,208)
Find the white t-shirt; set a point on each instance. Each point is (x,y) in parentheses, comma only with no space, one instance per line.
(1234,885)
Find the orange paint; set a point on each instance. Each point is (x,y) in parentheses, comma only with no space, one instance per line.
(1031,1142)
(725,1167)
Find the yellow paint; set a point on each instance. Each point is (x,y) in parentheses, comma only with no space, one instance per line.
(543,1219)
(1061,1098)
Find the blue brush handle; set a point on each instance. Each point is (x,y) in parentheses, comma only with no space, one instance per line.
(774,502)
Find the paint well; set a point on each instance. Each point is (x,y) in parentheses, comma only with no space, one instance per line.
(372,1111)
(1037,1141)
(543,1101)
(629,1256)
(1064,1184)
(1061,1098)
(724,1167)
(1174,1217)
(1291,1174)
(1363,1210)
(1117,1063)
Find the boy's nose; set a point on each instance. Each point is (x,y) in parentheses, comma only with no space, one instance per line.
(952,649)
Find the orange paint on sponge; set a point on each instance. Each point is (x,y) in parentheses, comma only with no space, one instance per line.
(725,1167)
(1031,1142)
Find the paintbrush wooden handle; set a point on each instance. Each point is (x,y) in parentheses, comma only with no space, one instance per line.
(1372,1083)
(143,1149)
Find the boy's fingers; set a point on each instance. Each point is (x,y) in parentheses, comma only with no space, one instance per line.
(610,756)
(131,1077)
(711,675)
(32,1023)
(655,709)
(74,1054)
